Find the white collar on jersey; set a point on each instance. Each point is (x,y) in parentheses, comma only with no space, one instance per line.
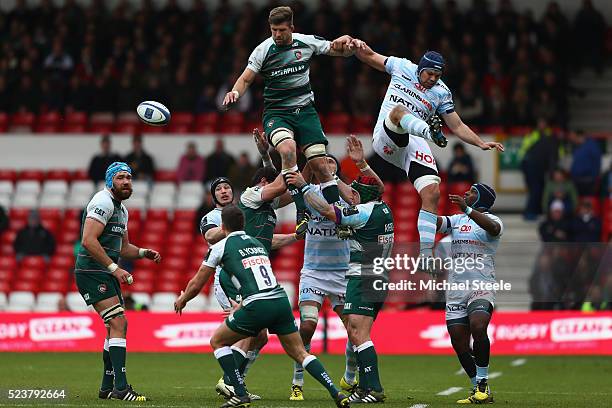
(235,233)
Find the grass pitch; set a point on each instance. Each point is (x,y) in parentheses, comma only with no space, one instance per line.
(188,380)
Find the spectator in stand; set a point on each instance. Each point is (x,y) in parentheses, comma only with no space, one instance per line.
(4,220)
(59,63)
(241,172)
(34,239)
(586,226)
(589,28)
(141,163)
(605,188)
(191,166)
(206,102)
(586,163)
(26,98)
(469,102)
(100,162)
(219,162)
(555,228)
(461,168)
(244,103)
(558,187)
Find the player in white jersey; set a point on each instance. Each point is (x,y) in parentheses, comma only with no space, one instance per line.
(475,236)
(323,274)
(414,96)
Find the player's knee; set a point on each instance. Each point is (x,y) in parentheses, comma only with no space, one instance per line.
(316,154)
(261,340)
(428,187)
(478,329)
(282,139)
(114,318)
(396,114)
(215,342)
(307,330)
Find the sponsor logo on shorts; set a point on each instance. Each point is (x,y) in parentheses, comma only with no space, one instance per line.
(102,288)
(347,306)
(424,157)
(455,308)
(369,309)
(313,291)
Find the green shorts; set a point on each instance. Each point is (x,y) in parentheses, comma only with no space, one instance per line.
(304,122)
(356,300)
(95,287)
(272,314)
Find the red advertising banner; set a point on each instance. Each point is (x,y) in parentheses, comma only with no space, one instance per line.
(415,332)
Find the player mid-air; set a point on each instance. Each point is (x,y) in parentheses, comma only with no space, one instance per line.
(264,305)
(104,239)
(414,96)
(289,115)
(474,234)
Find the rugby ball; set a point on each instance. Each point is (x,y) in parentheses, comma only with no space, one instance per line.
(153,113)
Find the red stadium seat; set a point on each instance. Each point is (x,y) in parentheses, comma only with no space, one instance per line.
(363,124)
(6,274)
(135,214)
(183,118)
(8,262)
(141,286)
(156,214)
(50,214)
(62,261)
(181,238)
(30,274)
(178,264)
(207,122)
(5,286)
(165,175)
(8,237)
(100,128)
(179,128)
(58,174)
(19,214)
(74,128)
(57,274)
(232,122)
(176,251)
(49,118)
(186,215)
(71,224)
(145,273)
(37,262)
(130,128)
(25,286)
(458,188)
(54,286)
(3,121)
(46,128)
(80,174)
(168,286)
(76,118)
(153,129)
(22,120)
(32,174)
(8,175)
(155,226)
(67,237)
(64,249)
(185,226)
(337,123)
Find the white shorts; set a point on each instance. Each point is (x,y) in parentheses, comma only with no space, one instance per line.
(459,301)
(316,285)
(220,295)
(417,151)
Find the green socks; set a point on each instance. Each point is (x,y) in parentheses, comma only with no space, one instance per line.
(316,369)
(225,357)
(117,353)
(368,362)
(108,378)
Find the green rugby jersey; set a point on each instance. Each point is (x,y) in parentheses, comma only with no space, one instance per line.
(259,215)
(286,69)
(246,260)
(373,236)
(104,208)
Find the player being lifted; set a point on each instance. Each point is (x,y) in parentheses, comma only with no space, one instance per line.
(323,274)
(289,116)
(268,192)
(475,234)
(372,236)
(104,239)
(414,96)
(264,305)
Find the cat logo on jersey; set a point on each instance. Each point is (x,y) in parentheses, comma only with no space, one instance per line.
(298,55)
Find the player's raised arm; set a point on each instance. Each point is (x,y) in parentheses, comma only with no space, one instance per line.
(365,54)
(240,87)
(463,131)
(354,149)
(317,202)
(282,240)
(263,148)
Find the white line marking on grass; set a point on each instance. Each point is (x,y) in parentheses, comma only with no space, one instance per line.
(459,371)
(449,391)
(418,406)
(518,362)
(495,374)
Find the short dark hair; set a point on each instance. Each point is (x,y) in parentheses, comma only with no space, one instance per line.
(280,15)
(232,218)
(268,173)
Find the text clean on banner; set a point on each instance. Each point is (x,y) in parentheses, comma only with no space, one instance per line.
(415,332)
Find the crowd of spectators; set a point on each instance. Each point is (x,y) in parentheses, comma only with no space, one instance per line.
(506,67)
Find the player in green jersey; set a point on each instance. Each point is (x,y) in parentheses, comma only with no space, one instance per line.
(98,277)
(264,305)
(372,236)
(289,118)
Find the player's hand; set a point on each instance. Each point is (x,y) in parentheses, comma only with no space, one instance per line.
(460,201)
(295,178)
(354,149)
(492,145)
(234,306)
(358,45)
(343,45)
(261,142)
(153,255)
(123,276)
(230,97)
(179,304)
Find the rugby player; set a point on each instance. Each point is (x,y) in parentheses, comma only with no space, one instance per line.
(264,305)
(475,235)
(104,239)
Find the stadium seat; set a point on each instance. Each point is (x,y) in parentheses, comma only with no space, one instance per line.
(46,128)
(232,122)
(153,225)
(32,174)
(183,226)
(180,238)
(198,304)
(290,289)
(164,188)
(58,174)
(8,175)
(62,261)
(75,118)
(140,188)
(148,129)
(20,301)
(185,214)
(33,262)
(192,188)
(363,124)
(176,251)
(22,121)
(183,118)
(140,286)
(163,302)
(337,123)
(143,298)
(128,117)
(6,274)
(127,128)
(165,175)
(75,302)
(73,128)
(80,175)
(178,128)
(54,286)
(58,274)
(5,286)
(137,203)
(159,201)
(47,302)
(6,188)
(188,201)
(3,301)
(207,122)
(28,186)
(8,262)
(4,121)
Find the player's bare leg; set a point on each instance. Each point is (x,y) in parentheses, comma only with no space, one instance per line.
(286,147)
(370,389)
(221,341)
(112,313)
(309,317)
(245,352)
(294,347)
(460,339)
(479,321)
